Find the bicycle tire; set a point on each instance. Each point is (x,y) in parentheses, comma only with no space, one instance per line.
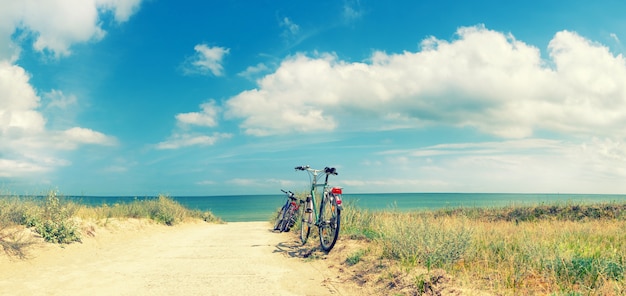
(279,220)
(330,222)
(294,216)
(287,219)
(306,222)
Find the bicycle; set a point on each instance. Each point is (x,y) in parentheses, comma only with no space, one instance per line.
(328,218)
(288,213)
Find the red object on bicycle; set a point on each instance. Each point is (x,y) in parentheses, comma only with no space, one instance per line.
(336,190)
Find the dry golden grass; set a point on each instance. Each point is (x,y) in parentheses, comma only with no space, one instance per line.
(540,250)
(56,220)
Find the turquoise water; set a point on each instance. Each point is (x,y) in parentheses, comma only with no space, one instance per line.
(238,208)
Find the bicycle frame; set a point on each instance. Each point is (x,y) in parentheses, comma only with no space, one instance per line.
(287,211)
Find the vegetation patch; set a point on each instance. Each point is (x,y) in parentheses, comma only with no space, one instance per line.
(55,219)
(52,220)
(560,249)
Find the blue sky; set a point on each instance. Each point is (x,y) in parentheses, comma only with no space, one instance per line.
(110,97)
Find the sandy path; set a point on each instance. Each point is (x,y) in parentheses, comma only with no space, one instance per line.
(190,259)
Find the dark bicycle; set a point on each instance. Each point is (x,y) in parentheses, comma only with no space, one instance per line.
(289,213)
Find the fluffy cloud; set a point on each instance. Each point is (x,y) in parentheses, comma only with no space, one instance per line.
(56,25)
(177,141)
(26,144)
(252,71)
(483,79)
(18,103)
(207,60)
(208,116)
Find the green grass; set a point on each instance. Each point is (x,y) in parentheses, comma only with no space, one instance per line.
(162,210)
(560,249)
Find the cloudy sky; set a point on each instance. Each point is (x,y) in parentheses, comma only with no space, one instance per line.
(132,97)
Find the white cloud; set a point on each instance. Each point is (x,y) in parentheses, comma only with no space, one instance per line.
(18,102)
(58,24)
(122,9)
(252,71)
(614,37)
(81,135)
(206,182)
(483,79)
(262,183)
(207,117)
(352,10)
(27,145)
(207,60)
(57,99)
(528,165)
(177,141)
(291,28)
(13,168)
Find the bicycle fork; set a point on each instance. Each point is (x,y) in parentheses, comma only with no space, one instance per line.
(308,210)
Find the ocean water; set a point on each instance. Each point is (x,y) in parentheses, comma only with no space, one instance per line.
(241,208)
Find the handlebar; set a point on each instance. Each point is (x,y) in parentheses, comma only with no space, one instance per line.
(290,194)
(327,170)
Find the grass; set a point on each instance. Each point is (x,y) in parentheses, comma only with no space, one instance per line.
(55,219)
(163,210)
(560,249)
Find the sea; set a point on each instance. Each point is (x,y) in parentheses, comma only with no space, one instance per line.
(244,208)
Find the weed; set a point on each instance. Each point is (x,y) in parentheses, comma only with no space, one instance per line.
(427,241)
(355,257)
(53,221)
(558,249)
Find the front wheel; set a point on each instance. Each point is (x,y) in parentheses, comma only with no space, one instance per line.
(330,221)
(305,224)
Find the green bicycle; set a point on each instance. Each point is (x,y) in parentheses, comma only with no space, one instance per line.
(328,218)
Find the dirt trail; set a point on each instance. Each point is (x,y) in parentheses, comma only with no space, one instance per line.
(190,259)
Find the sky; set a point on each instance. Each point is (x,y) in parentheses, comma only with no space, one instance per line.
(195,97)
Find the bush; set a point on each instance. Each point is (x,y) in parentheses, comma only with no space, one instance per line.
(165,210)
(585,271)
(421,240)
(53,221)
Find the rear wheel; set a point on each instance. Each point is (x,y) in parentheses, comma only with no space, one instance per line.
(330,220)
(279,220)
(286,224)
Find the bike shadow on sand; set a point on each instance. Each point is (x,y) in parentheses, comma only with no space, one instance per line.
(294,248)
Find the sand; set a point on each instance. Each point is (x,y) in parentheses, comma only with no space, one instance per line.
(141,258)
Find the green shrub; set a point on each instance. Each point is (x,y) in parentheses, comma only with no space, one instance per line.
(53,220)
(585,271)
(355,257)
(357,223)
(421,240)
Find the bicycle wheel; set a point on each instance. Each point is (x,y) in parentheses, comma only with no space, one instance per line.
(287,219)
(294,216)
(306,222)
(280,218)
(330,220)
